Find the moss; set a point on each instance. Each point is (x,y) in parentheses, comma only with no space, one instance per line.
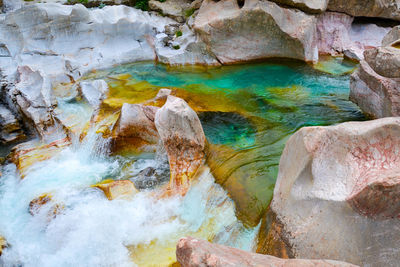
(177,47)
(142,4)
(178,33)
(189,12)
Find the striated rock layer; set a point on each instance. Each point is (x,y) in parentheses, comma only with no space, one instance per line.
(337,195)
(192,252)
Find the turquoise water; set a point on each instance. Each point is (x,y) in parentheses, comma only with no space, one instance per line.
(248,112)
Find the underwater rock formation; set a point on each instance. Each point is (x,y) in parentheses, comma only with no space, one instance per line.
(337,195)
(183,137)
(192,252)
(258,30)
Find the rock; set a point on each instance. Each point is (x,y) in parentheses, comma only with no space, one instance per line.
(339,34)
(117,189)
(135,129)
(3,244)
(11,5)
(388,9)
(384,60)
(11,130)
(38,203)
(309,6)
(54,43)
(192,252)
(392,36)
(150,178)
(337,195)
(377,96)
(183,137)
(258,30)
(94,92)
(185,49)
(174,9)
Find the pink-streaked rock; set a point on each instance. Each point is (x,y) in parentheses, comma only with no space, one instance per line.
(135,129)
(384,60)
(338,35)
(377,96)
(337,195)
(183,137)
(258,30)
(308,6)
(191,252)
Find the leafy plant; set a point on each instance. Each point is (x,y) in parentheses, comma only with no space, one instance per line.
(142,4)
(176,47)
(178,33)
(189,12)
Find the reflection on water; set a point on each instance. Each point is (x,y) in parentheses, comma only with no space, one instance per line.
(247,112)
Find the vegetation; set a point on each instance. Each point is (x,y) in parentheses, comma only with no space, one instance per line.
(189,12)
(178,33)
(142,4)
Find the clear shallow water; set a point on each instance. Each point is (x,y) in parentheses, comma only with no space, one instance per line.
(247,112)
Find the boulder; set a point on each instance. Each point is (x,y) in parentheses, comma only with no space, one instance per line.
(150,178)
(135,129)
(309,6)
(377,96)
(175,9)
(11,130)
(388,9)
(337,195)
(338,34)
(94,92)
(117,189)
(392,36)
(384,60)
(183,137)
(258,30)
(37,204)
(191,252)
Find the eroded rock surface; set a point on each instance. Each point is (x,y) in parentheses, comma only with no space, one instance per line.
(389,9)
(337,195)
(11,130)
(310,6)
(191,252)
(135,129)
(258,30)
(183,137)
(117,189)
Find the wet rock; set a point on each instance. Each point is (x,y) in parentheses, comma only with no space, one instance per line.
(377,96)
(258,30)
(388,9)
(11,130)
(38,203)
(3,244)
(117,189)
(309,6)
(337,195)
(338,34)
(150,178)
(135,129)
(384,60)
(94,92)
(191,252)
(183,137)
(174,9)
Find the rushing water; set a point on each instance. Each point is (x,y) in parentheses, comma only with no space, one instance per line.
(247,112)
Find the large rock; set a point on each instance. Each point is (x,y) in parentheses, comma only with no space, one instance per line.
(384,60)
(135,129)
(117,189)
(338,34)
(309,6)
(258,30)
(388,9)
(42,45)
(337,195)
(11,130)
(377,96)
(392,36)
(183,137)
(192,252)
(94,92)
(174,9)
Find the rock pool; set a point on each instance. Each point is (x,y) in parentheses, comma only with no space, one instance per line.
(247,112)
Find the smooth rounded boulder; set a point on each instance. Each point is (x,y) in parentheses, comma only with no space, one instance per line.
(337,195)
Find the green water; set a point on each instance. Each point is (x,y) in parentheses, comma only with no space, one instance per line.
(248,112)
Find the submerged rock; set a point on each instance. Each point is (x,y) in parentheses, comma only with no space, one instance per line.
(192,252)
(135,129)
(183,137)
(388,9)
(337,195)
(117,189)
(258,30)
